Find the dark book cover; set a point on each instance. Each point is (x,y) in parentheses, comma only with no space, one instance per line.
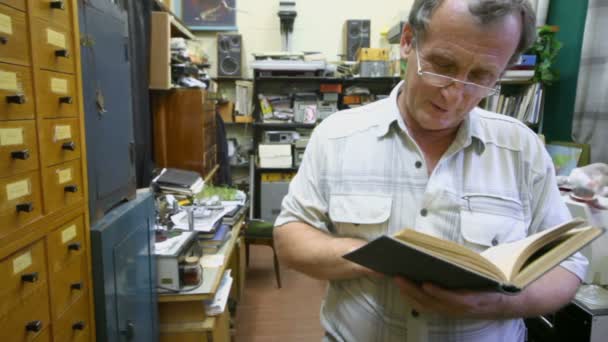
(389,256)
(218,237)
(178,178)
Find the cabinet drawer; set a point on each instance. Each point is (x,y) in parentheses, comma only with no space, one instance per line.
(74,324)
(13,37)
(62,185)
(29,321)
(18,147)
(53,46)
(16,93)
(59,141)
(56,95)
(18,4)
(23,273)
(54,11)
(67,286)
(20,201)
(66,244)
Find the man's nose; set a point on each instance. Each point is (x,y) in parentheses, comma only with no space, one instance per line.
(454,92)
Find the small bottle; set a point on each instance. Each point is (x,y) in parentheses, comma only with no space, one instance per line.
(191,271)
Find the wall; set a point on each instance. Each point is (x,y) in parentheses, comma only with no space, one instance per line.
(318,26)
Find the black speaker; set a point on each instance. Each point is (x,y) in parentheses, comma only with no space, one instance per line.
(229,55)
(356,35)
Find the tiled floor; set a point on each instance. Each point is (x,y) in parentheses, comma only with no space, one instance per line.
(268,314)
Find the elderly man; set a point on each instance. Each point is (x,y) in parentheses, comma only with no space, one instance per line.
(428,159)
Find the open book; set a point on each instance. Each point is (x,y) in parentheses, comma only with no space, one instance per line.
(507,267)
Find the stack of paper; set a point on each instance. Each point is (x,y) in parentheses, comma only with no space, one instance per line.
(179,181)
(217,305)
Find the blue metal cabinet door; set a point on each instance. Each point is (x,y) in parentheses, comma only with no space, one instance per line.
(106,73)
(124,273)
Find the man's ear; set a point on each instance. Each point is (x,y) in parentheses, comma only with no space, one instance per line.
(407,41)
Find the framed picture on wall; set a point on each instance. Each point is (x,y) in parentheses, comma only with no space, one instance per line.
(207,15)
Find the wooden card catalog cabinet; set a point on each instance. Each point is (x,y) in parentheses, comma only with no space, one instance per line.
(44,233)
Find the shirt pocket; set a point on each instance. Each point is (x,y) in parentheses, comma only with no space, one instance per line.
(488,220)
(360,215)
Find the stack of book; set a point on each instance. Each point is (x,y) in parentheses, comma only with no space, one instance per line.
(234,215)
(522,70)
(211,244)
(180,182)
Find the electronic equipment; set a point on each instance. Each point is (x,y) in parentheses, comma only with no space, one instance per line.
(172,256)
(273,187)
(229,55)
(282,137)
(356,35)
(585,319)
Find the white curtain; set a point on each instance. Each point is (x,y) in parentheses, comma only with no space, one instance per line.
(590,123)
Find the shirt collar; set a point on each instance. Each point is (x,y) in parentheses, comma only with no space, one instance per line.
(469,130)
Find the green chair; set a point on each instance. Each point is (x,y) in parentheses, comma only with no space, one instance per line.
(259,232)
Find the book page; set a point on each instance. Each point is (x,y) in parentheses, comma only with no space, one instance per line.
(450,251)
(509,257)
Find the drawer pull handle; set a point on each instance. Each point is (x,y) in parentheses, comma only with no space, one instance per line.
(62,53)
(71,188)
(66,100)
(3,40)
(34,326)
(25,207)
(16,99)
(23,155)
(30,277)
(70,146)
(74,246)
(78,325)
(58,5)
(76,286)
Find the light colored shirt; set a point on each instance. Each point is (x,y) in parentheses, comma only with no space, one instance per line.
(363,175)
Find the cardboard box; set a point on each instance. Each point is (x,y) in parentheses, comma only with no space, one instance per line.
(226,111)
(275,155)
(372,54)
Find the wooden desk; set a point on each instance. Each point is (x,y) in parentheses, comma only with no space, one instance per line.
(182,315)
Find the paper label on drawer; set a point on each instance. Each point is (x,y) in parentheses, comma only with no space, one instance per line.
(22,262)
(59,85)
(55,38)
(18,189)
(68,234)
(6,24)
(62,132)
(64,175)
(8,81)
(11,136)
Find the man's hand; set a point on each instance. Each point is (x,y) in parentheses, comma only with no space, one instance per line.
(428,298)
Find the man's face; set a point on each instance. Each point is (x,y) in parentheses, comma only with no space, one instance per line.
(457,46)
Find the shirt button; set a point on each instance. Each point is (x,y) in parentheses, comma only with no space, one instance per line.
(415,313)
(418,164)
(424,212)
(495,241)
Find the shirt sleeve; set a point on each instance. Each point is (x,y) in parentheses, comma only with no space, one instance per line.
(550,210)
(306,200)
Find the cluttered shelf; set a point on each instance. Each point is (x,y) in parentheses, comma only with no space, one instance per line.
(328,79)
(281,125)
(211,275)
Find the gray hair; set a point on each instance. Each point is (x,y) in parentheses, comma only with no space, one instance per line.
(486,11)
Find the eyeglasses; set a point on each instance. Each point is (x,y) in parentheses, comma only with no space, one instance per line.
(441,81)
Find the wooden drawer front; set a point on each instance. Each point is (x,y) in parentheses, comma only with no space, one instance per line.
(13,37)
(54,11)
(18,4)
(20,201)
(16,93)
(74,324)
(56,95)
(29,320)
(62,185)
(67,286)
(59,141)
(23,273)
(66,245)
(53,46)
(18,147)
